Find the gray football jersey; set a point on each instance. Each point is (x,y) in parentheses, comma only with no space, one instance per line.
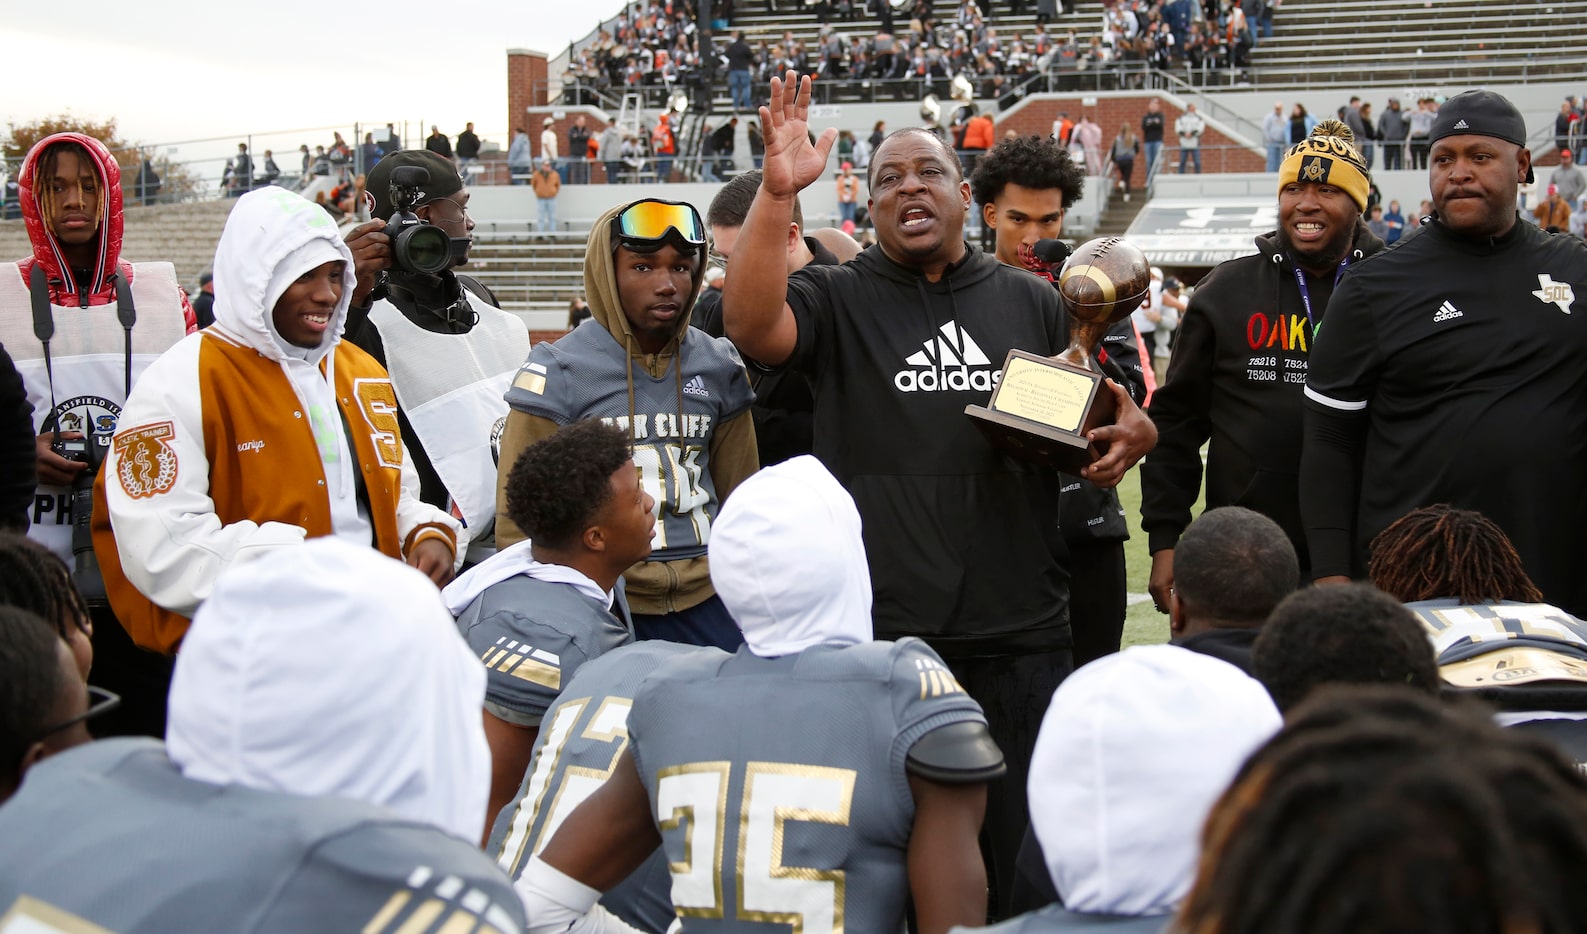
(533,635)
(116,840)
(779,784)
(1054,919)
(585,374)
(581,738)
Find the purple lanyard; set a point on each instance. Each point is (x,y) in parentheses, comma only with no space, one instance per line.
(1305,294)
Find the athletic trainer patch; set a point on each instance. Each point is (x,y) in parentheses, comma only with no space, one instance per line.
(145,461)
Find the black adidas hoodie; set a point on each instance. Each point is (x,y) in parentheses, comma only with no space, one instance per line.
(963,541)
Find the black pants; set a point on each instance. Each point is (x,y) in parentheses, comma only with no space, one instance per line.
(1096,599)
(1013,691)
(142,678)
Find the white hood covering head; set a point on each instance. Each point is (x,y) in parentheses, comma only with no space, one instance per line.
(329,669)
(272,236)
(788,562)
(1133,752)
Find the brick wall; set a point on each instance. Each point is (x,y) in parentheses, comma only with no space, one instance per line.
(527,76)
(1109,113)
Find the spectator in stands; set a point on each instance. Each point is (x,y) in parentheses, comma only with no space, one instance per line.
(1275,134)
(1232,567)
(1569,178)
(467,146)
(1300,124)
(1152,124)
(519,162)
(757,143)
(1553,212)
(1134,750)
(610,148)
(547,185)
(1562,124)
(548,140)
(663,145)
(204,300)
(271,170)
(1189,128)
(1089,137)
(437,143)
(1392,131)
(369,152)
(1421,127)
(578,152)
(740,64)
(1369,134)
(1394,219)
(1122,155)
(1376,223)
(148,182)
(241,172)
(1578,219)
(1341,634)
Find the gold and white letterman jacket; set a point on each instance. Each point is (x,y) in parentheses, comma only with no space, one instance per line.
(233,443)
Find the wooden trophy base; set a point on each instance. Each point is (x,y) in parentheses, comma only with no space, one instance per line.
(1042,411)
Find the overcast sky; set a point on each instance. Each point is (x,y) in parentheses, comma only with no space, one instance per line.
(171,70)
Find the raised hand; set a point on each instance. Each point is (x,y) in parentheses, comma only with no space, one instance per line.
(792,161)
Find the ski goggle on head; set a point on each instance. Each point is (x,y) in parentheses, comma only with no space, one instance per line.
(645,225)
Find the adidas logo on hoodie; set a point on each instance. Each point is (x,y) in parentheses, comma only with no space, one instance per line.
(696,387)
(950,362)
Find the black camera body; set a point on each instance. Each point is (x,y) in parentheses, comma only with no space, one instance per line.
(417,246)
(91,451)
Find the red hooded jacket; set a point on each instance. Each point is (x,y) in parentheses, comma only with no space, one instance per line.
(64,290)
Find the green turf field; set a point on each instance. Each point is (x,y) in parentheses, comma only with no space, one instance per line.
(1143,625)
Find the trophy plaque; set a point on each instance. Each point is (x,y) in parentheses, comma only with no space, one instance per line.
(1043,407)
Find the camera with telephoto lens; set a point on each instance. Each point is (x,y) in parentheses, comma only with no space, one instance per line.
(417,246)
(85,572)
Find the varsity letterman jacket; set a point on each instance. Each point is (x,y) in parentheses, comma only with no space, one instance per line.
(229,447)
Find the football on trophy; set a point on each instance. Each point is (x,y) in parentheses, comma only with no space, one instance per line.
(1104,280)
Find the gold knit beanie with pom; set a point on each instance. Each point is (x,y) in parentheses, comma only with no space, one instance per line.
(1328,157)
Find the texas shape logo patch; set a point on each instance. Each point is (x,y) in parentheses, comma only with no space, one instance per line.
(1557,293)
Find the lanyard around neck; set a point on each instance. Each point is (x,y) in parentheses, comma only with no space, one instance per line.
(1305,293)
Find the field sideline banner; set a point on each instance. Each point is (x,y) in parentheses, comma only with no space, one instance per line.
(1204,232)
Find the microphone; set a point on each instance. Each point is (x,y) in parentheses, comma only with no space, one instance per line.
(1050,251)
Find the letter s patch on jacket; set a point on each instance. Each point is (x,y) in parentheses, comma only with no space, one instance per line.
(145,461)
(377,399)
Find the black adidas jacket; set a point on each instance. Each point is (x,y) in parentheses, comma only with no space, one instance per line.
(963,541)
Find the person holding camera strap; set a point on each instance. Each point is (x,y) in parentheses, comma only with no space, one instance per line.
(80,348)
(450,350)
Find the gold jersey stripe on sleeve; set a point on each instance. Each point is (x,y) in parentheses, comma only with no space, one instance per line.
(538,672)
(383,918)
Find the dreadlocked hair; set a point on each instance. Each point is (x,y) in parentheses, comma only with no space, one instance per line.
(1377,809)
(44,171)
(39,582)
(1440,551)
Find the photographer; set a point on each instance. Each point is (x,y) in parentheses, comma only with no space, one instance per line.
(450,351)
(82,325)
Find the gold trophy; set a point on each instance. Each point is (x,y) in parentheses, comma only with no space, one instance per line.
(1043,407)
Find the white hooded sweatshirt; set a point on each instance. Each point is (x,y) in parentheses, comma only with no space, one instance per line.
(788,561)
(330,669)
(173,545)
(1133,752)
